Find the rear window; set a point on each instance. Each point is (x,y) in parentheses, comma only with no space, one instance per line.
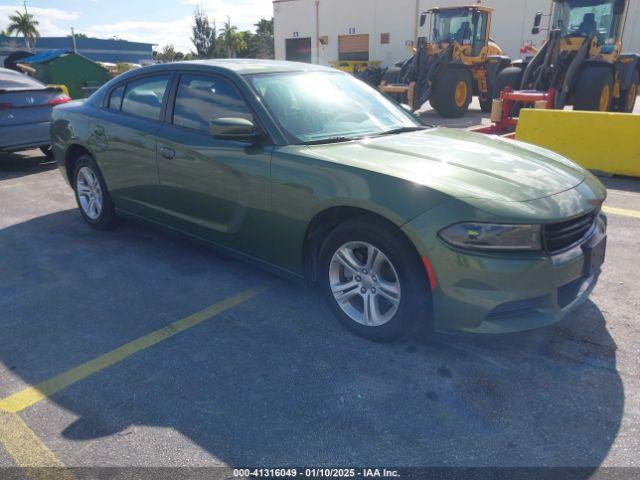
(10,80)
(143,97)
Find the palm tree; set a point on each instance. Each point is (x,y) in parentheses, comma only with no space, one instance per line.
(232,39)
(25,24)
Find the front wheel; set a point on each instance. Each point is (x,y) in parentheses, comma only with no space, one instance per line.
(594,90)
(373,281)
(452,93)
(92,195)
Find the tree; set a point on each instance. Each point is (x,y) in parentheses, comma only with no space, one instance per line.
(252,45)
(168,54)
(25,24)
(264,38)
(204,34)
(233,41)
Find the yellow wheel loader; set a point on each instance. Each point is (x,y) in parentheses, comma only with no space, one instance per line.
(454,62)
(581,62)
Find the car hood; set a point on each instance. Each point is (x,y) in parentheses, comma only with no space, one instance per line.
(461,164)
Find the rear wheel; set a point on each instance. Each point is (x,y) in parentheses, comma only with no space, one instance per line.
(47,151)
(485,105)
(509,77)
(92,195)
(594,90)
(452,93)
(627,101)
(373,281)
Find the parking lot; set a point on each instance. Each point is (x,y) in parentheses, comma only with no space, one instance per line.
(138,348)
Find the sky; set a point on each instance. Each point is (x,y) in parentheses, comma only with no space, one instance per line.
(160,22)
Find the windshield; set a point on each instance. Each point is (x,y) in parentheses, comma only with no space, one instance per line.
(585,17)
(452,25)
(317,106)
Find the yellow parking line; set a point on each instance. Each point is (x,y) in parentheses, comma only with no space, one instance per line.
(20,400)
(28,451)
(622,211)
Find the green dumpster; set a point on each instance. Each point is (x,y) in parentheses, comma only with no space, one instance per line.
(81,75)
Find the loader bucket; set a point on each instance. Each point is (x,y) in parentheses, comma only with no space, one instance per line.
(606,142)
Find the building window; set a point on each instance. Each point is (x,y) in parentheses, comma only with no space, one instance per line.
(384,38)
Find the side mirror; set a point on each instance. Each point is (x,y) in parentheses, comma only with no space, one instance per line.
(535,30)
(537,20)
(232,129)
(423,18)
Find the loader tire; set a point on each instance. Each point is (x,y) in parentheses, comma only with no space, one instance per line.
(509,77)
(485,105)
(627,101)
(594,90)
(452,93)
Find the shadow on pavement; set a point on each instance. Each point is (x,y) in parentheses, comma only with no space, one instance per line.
(19,164)
(276,381)
(627,184)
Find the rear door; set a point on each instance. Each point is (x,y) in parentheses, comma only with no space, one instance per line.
(215,189)
(124,137)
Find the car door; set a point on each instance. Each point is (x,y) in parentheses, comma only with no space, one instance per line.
(215,189)
(125,137)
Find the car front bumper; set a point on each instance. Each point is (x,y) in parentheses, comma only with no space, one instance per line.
(24,137)
(504,292)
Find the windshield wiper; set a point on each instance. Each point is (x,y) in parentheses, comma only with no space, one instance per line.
(402,130)
(331,140)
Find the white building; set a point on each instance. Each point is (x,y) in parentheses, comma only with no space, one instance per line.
(321,31)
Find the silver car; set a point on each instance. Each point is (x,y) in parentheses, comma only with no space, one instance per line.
(25,112)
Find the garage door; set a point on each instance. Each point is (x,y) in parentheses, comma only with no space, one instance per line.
(353,47)
(298,49)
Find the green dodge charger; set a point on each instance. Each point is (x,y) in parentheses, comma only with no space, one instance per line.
(309,172)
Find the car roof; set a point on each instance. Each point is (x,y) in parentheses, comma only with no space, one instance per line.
(246,66)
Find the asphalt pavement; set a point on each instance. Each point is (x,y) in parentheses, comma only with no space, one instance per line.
(136,347)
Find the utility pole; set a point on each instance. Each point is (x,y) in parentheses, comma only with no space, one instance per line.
(73,39)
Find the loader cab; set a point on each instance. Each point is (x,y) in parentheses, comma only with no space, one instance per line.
(466,26)
(582,18)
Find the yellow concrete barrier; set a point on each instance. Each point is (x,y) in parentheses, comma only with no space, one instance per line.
(609,142)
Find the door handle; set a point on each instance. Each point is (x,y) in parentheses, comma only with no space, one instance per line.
(168,153)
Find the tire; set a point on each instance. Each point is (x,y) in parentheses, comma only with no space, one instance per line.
(47,151)
(452,92)
(88,185)
(508,77)
(594,90)
(486,105)
(627,101)
(398,267)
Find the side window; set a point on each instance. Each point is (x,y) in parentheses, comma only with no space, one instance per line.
(201,99)
(115,100)
(143,97)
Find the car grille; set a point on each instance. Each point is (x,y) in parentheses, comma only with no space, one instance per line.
(558,237)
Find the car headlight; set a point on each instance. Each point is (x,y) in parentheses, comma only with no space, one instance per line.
(491,236)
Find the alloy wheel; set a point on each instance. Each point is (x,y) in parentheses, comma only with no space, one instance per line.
(364,283)
(89,193)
